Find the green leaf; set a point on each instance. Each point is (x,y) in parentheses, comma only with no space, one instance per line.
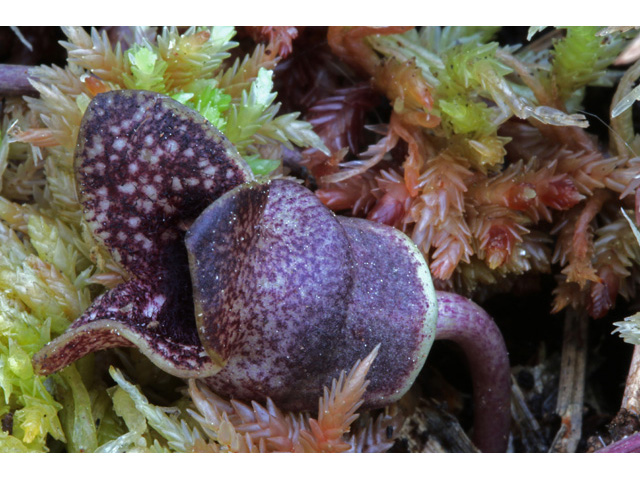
(246,118)
(533,30)
(211,102)
(582,57)
(182,97)
(626,102)
(178,435)
(629,329)
(289,131)
(77,414)
(262,86)
(261,166)
(45,238)
(11,444)
(147,69)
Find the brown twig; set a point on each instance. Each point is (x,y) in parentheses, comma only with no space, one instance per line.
(572,378)
(14,81)
(524,422)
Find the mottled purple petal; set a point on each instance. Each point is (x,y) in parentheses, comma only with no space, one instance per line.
(145,165)
(154,316)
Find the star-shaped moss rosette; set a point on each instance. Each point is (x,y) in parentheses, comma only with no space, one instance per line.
(269,294)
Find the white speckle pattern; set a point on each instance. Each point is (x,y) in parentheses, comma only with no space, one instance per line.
(171,146)
(146,243)
(139,149)
(153,307)
(132,144)
(119,144)
(128,187)
(150,191)
(97,147)
(210,170)
(139,115)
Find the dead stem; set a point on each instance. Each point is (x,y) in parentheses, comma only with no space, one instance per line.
(525,422)
(430,428)
(14,81)
(572,377)
(631,396)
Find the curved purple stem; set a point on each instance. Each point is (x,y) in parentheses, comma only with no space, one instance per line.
(630,444)
(464,322)
(14,80)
